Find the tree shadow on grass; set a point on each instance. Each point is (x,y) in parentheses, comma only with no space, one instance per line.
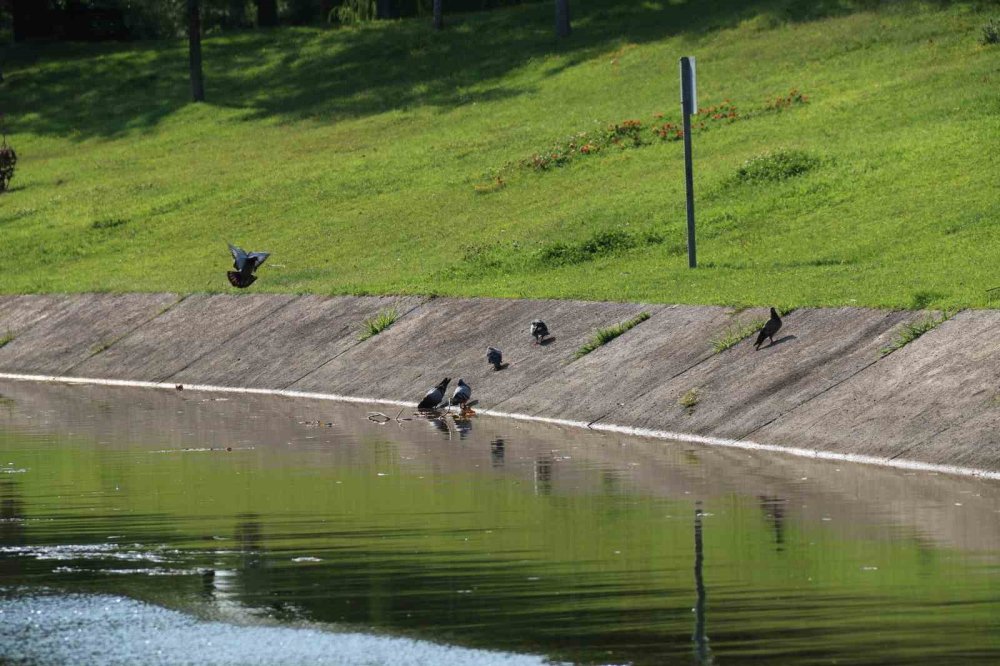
(83,91)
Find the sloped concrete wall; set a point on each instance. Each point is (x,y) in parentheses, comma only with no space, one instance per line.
(56,335)
(936,400)
(823,386)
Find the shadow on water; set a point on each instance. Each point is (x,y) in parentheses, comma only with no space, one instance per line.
(300,73)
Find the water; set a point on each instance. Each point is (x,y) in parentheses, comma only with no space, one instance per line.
(180,527)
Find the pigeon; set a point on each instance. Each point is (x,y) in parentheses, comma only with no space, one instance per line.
(245,265)
(462,394)
(435,395)
(770,328)
(539,331)
(494,357)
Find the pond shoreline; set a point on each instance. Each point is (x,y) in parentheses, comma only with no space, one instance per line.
(824,390)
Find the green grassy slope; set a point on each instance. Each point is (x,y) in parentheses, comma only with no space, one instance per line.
(363,158)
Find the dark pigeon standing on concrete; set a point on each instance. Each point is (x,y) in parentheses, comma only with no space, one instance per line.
(770,328)
(462,395)
(245,264)
(435,396)
(494,357)
(539,331)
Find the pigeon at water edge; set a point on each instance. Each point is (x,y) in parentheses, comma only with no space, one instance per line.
(435,396)
(539,331)
(494,357)
(769,329)
(245,263)
(461,396)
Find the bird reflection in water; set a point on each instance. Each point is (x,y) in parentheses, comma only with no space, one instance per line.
(463,426)
(439,423)
(497,452)
(543,476)
(774,511)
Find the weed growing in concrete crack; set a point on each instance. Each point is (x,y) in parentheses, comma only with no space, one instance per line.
(9,337)
(735,333)
(690,400)
(603,336)
(911,331)
(100,347)
(374,325)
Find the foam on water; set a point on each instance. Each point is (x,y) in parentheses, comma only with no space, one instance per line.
(111,630)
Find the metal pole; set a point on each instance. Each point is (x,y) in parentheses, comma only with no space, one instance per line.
(689,184)
(688,102)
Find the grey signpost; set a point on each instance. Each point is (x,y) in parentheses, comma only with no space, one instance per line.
(689,105)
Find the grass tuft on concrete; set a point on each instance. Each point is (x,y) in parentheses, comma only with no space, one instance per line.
(603,336)
(7,338)
(374,325)
(910,331)
(735,333)
(690,400)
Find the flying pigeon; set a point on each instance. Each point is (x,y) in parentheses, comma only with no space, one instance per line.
(539,331)
(461,396)
(245,265)
(770,328)
(494,357)
(435,395)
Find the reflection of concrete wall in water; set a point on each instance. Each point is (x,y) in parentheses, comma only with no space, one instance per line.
(280,430)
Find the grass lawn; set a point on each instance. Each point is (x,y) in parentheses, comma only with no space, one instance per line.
(367,159)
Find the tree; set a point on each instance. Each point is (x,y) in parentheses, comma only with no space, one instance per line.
(562,18)
(267,13)
(438,17)
(194,50)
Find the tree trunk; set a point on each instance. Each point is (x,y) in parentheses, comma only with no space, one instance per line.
(562,18)
(194,50)
(383,9)
(267,13)
(438,15)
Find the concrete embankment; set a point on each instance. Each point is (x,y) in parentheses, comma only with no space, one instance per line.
(823,387)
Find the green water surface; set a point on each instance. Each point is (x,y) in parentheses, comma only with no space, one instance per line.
(487,533)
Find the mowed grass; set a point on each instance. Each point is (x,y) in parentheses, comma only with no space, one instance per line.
(365,159)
